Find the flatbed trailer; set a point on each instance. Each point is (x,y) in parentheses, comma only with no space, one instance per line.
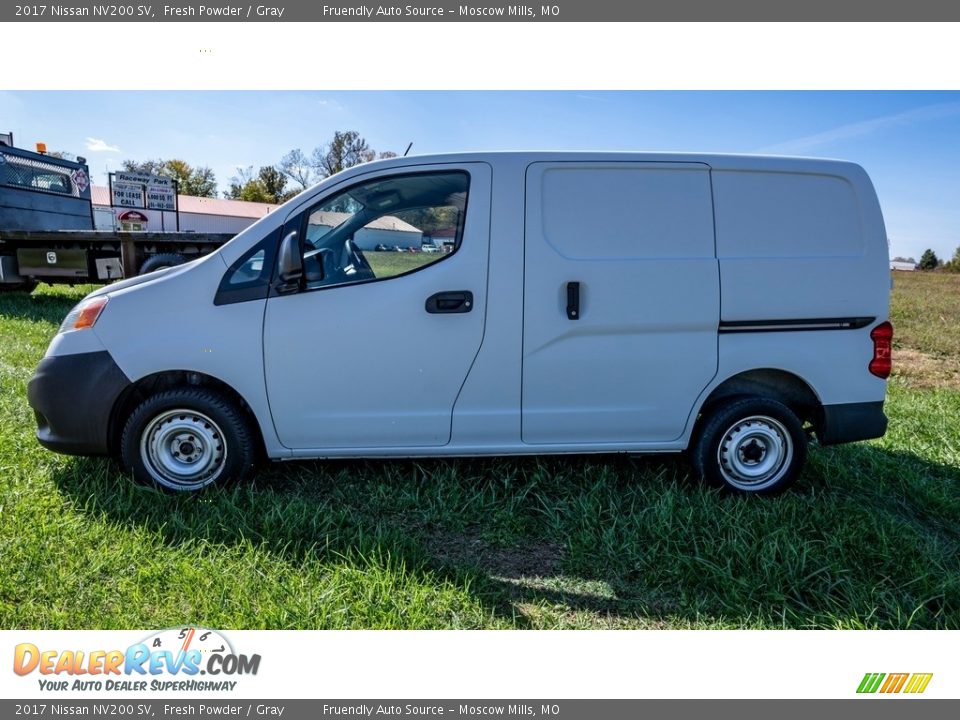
(90,256)
(47,228)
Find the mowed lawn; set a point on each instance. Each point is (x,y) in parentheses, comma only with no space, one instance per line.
(870,538)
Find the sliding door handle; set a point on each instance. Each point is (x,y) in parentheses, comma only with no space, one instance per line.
(573,301)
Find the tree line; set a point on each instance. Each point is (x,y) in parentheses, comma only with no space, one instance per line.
(930,261)
(277,183)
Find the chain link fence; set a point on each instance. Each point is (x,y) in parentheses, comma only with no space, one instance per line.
(27,173)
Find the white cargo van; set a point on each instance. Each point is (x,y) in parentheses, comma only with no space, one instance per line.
(727,306)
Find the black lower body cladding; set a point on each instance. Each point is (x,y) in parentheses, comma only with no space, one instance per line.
(72,397)
(850,422)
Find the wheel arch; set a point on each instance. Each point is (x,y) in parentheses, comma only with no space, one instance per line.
(776,383)
(148,385)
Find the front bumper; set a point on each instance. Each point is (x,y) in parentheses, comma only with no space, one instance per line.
(850,422)
(72,397)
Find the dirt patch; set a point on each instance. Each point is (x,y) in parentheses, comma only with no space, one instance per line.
(919,369)
(537,559)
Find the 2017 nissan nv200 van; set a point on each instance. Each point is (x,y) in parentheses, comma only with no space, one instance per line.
(499,304)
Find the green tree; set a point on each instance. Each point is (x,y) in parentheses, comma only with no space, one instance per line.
(273,182)
(267,186)
(953,265)
(148,167)
(929,260)
(197,181)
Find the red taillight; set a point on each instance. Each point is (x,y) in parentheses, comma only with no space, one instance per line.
(882,336)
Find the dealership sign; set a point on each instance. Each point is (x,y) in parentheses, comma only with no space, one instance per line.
(161,198)
(124,194)
(143,190)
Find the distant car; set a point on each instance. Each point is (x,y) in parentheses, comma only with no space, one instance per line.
(428,249)
(397,248)
(381,248)
(413,249)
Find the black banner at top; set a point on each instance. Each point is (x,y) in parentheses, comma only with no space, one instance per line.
(487,11)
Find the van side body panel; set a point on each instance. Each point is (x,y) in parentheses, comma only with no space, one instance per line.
(487,411)
(805,243)
(802,244)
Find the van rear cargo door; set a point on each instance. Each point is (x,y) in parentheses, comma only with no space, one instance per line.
(621,300)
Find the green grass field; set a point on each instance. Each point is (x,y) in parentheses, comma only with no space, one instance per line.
(870,538)
(388,264)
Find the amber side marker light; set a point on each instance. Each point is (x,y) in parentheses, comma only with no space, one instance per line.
(882,362)
(84,315)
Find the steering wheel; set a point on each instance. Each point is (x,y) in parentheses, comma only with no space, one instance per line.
(362,268)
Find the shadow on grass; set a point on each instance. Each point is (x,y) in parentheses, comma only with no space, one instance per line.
(870,538)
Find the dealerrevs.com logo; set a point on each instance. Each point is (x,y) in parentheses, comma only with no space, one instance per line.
(179,659)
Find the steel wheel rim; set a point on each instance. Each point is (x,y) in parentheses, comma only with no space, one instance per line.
(755,452)
(183,449)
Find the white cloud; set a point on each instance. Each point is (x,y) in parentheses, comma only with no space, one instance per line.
(98,145)
(866,127)
(329,104)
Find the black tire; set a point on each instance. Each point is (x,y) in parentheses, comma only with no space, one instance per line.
(27,286)
(751,446)
(187,439)
(161,261)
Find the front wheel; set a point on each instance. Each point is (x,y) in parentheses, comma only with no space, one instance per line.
(750,446)
(187,439)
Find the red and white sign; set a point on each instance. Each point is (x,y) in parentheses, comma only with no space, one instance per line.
(80,179)
(132,220)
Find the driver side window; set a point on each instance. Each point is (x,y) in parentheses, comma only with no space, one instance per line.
(384,228)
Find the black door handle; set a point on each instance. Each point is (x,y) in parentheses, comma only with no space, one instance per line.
(573,301)
(451,301)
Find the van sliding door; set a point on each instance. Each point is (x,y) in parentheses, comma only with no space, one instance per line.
(621,300)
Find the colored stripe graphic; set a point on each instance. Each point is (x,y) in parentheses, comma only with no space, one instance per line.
(918,682)
(894,683)
(870,682)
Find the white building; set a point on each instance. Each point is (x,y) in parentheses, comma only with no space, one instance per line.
(388,230)
(202,215)
(218,215)
(900,265)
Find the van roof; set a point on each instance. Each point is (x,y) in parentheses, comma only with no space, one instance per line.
(719,161)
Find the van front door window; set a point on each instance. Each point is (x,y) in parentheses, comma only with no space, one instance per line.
(384,228)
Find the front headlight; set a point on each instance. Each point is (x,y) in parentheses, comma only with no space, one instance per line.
(85,314)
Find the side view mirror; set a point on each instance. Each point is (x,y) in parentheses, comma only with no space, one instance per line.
(290,265)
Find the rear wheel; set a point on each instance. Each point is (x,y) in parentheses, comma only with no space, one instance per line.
(161,261)
(187,439)
(751,446)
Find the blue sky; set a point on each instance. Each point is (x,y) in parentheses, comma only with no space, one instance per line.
(909,142)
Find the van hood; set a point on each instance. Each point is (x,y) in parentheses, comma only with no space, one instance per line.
(151,277)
